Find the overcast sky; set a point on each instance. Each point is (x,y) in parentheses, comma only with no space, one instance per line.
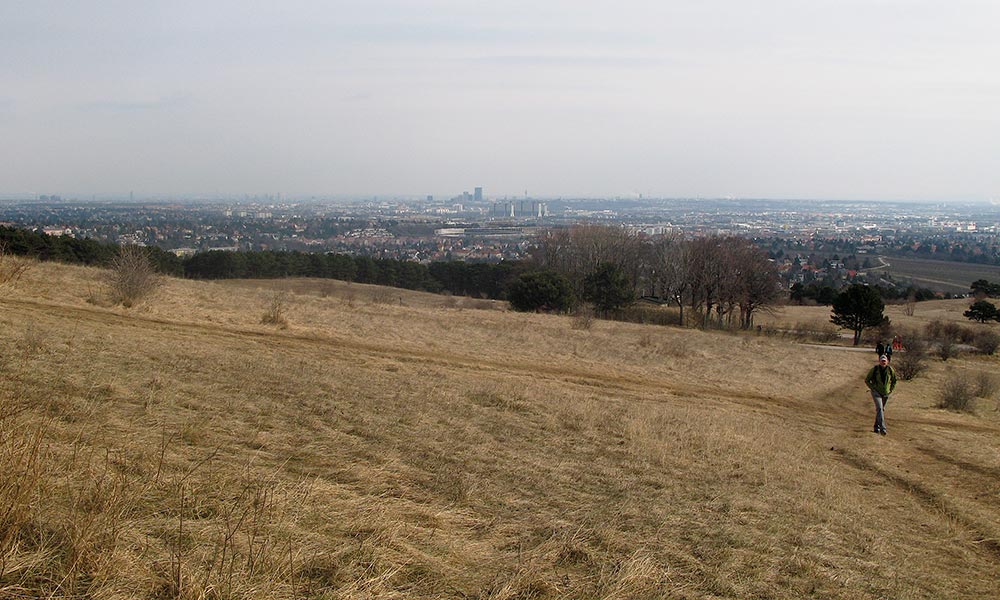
(891,99)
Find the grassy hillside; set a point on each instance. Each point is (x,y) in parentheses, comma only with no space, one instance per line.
(390,444)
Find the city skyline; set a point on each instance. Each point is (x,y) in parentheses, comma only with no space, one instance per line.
(808,100)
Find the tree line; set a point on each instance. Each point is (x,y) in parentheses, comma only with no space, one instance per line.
(721,280)
(460,278)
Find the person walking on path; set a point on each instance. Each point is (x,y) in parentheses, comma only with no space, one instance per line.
(879,348)
(881,381)
(888,352)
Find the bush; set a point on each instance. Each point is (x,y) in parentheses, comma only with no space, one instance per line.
(957,393)
(131,277)
(275,313)
(986,385)
(583,320)
(941,331)
(646,314)
(914,344)
(821,334)
(988,342)
(908,365)
(947,349)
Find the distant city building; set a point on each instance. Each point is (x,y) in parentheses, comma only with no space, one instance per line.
(57,231)
(478,194)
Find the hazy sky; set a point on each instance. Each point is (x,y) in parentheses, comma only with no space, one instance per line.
(767,98)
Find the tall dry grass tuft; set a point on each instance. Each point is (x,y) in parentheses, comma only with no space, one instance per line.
(12,267)
(21,487)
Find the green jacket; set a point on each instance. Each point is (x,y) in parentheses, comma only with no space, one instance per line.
(881,380)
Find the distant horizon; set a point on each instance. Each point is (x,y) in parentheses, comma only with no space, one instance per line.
(386,197)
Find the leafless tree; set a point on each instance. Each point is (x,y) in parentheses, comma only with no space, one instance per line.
(579,250)
(707,271)
(724,280)
(757,285)
(670,270)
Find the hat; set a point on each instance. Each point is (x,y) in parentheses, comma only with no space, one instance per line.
(883,357)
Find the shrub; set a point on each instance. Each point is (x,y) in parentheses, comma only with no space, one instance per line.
(132,276)
(583,320)
(987,342)
(822,333)
(275,313)
(650,315)
(957,393)
(986,385)
(940,331)
(478,304)
(947,349)
(908,365)
(914,344)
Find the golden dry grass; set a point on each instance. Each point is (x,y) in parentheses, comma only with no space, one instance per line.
(391,444)
(923,313)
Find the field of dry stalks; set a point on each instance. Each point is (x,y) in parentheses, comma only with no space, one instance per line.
(314,439)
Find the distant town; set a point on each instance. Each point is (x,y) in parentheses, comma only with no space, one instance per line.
(828,242)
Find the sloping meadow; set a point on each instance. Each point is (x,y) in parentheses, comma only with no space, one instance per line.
(404,448)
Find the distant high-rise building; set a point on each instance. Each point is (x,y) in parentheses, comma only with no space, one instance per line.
(430,198)
(479,194)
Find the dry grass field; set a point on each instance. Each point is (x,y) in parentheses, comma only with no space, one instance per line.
(818,317)
(940,275)
(375,443)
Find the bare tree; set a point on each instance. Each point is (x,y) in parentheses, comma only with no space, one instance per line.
(723,279)
(706,276)
(580,250)
(756,278)
(671,265)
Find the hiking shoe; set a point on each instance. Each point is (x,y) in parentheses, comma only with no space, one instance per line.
(882,431)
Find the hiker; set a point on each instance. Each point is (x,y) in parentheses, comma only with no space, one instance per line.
(881,381)
(888,352)
(879,348)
